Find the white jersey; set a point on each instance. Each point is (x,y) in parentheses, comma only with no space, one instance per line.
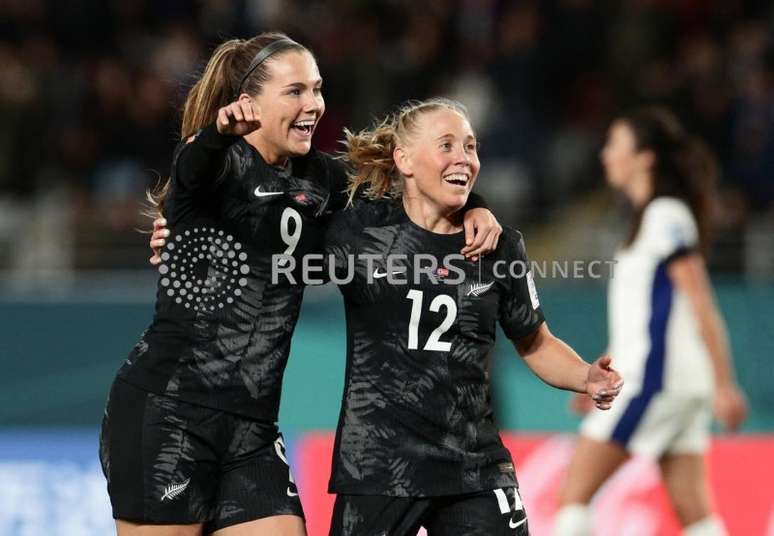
(654,338)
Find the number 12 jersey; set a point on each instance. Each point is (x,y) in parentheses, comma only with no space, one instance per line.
(416,418)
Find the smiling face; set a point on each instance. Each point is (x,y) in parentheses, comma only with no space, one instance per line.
(289,106)
(439,159)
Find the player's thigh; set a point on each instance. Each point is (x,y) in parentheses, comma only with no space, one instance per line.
(685,478)
(498,512)
(360,515)
(640,422)
(127,528)
(158,458)
(592,463)
(256,485)
(694,434)
(282,525)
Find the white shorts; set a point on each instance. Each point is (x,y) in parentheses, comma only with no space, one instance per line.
(653,424)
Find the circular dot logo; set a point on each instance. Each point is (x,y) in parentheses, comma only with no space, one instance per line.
(227,268)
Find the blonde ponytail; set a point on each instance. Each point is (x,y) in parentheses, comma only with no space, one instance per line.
(370,155)
(370,151)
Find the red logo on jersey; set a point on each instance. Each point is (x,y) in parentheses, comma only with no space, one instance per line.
(441,272)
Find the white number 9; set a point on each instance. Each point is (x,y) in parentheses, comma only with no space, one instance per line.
(290,239)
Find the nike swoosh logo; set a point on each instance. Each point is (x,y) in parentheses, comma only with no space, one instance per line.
(379,275)
(259,193)
(513,525)
(291,494)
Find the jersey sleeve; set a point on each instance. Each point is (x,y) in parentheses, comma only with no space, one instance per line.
(341,238)
(475,201)
(668,229)
(520,313)
(203,161)
(339,181)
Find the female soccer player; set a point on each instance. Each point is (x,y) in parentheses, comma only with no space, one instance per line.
(416,444)
(665,330)
(189,442)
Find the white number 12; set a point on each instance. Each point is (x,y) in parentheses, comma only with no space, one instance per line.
(434,342)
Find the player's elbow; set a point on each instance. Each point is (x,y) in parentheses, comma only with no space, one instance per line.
(531,344)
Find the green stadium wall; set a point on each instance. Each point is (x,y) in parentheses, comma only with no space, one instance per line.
(58,358)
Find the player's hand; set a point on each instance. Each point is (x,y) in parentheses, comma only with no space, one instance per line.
(158,239)
(581,403)
(603,383)
(730,406)
(238,118)
(482,231)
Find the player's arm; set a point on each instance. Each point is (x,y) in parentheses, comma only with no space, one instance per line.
(554,362)
(158,239)
(689,274)
(482,230)
(522,320)
(342,240)
(339,182)
(203,160)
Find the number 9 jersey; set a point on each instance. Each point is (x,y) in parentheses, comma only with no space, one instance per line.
(416,418)
(221,332)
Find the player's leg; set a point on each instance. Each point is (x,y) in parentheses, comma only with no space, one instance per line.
(595,458)
(592,463)
(598,451)
(162,474)
(357,515)
(127,528)
(258,495)
(282,525)
(107,453)
(685,478)
(644,423)
(498,512)
(684,472)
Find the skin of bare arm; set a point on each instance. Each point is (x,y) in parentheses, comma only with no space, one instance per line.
(689,275)
(555,363)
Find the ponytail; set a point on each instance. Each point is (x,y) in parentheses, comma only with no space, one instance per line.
(213,90)
(684,167)
(370,155)
(700,169)
(370,151)
(228,72)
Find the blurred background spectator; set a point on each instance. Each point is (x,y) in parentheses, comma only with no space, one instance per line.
(91,90)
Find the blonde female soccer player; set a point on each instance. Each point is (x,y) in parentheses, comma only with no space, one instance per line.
(416,444)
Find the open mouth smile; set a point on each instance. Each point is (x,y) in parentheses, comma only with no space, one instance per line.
(457,179)
(304,127)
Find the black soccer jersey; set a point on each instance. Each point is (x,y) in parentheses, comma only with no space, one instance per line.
(416,418)
(221,332)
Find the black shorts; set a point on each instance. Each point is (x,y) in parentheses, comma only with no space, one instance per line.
(486,513)
(168,462)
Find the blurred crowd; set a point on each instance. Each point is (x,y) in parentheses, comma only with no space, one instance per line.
(91,90)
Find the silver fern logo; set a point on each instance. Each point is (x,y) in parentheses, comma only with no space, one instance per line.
(173,490)
(477,289)
(226,269)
